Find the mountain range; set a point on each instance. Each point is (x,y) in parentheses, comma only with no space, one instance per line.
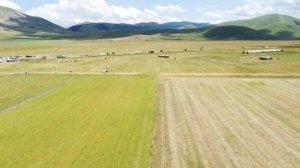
(105,27)
(14,24)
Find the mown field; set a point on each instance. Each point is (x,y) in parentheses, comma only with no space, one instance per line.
(228,122)
(92,121)
(216,57)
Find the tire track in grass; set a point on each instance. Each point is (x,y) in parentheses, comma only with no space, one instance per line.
(36,96)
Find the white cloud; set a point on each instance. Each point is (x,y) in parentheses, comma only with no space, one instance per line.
(252,8)
(10,4)
(70,12)
(169,9)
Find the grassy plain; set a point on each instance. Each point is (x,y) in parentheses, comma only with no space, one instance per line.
(216,57)
(93,121)
(228,122)
(127,45)
(85,120)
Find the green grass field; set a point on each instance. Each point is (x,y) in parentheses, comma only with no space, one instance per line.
(16,89)
(93,121)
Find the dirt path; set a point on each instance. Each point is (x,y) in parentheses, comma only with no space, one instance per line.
(228,122)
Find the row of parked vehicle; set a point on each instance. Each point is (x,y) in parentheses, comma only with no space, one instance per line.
(9,59)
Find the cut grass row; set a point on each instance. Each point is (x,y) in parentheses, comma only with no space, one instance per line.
(228,122)
(93,121)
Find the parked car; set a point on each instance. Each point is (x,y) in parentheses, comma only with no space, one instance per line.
(12,59)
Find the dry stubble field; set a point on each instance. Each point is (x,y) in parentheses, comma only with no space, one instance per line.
(228,122)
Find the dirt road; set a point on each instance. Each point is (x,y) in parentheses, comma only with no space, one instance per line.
(228,122)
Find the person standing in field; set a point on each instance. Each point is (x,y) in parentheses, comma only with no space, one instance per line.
(105,70)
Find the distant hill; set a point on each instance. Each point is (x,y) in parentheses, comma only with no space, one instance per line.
(222,33)
(14,23)
(283,26)
(173,25)
(205,33)
(109,27)
(235,33)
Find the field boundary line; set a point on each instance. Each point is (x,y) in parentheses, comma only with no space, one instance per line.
(34,97)
(230,75)
(72,73)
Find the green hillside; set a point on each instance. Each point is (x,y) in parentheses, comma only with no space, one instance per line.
(89,28)
(279,25)
(14,23)
(223,33)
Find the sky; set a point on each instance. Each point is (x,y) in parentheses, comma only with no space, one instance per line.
(70,12)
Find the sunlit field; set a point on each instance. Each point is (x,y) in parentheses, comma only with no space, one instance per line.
(215,56)
(207,105)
